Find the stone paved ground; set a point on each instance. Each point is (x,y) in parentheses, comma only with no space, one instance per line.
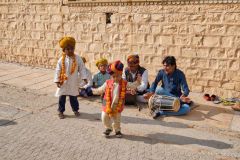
(30,128)
(39,135)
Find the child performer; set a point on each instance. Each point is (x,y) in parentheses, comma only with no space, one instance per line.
(66,76)
(113,101)
(100,77)
(83,88)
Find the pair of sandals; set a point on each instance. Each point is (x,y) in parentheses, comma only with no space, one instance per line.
(61,116)
(226,101)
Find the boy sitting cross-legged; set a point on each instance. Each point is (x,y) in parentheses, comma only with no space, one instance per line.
(83,88)
(100,77)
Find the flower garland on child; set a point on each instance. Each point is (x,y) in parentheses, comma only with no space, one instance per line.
(62,76)
(120,101)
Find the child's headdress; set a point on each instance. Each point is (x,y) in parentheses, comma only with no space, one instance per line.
(101,61)
(83,59)
(67,40)
(116,67)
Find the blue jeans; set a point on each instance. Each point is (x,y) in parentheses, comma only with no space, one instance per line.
(87,91)
(184,108)
(73,101)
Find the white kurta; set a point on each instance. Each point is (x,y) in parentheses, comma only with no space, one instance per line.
(82,84)
(70,86)
(144,82)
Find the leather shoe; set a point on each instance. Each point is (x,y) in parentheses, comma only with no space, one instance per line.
(206,96)
(213,97)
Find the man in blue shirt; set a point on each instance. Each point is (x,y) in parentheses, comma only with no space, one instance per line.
(173,80)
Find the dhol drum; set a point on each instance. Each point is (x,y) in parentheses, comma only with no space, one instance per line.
(163,103)
(129,98)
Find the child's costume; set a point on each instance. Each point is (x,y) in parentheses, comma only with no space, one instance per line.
(113,102)
(66,73)
(82,84)
(99,79)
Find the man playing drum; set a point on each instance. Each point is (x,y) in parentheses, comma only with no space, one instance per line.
(173,80)
(130,75)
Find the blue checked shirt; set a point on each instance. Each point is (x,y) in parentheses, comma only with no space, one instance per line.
(173,84)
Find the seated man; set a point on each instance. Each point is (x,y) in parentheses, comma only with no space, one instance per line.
(130,74)
(173,80)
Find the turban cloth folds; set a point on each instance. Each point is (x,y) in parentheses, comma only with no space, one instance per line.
(133,60)
(84,59)
(101,61)
(116,67)
(65,41)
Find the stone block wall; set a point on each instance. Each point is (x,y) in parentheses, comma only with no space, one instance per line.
(205,38)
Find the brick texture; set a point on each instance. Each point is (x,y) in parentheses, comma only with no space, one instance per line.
(205,42)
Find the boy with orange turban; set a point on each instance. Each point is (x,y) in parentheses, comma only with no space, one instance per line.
(66,76)
(114,99)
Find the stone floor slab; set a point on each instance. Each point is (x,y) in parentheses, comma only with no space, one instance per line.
(50,89)
(220,117)
(196,116)
(15,75)
(236,122)
(41,85)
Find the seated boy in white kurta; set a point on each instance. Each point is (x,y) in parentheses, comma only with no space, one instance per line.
(113,101)
(83,88)
(66,76)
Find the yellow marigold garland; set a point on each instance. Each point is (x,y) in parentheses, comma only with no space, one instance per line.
(62,76)
(120,101)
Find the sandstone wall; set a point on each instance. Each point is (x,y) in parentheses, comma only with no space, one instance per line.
(205,38)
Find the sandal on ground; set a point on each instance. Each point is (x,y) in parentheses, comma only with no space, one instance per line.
(60,115)
(227,103)
(76,113)
(223,99)
(217,100)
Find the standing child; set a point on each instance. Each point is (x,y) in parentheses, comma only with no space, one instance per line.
(100,77)
(113,101)
(83,88)
(66,76)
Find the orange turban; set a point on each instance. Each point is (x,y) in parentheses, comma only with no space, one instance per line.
(84,59)
(65,41)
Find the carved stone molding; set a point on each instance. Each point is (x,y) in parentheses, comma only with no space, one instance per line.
(146,2)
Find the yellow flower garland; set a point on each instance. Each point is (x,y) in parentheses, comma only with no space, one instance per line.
(120,101)
(62,76)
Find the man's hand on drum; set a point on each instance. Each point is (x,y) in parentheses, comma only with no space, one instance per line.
(139,78)
(148,95)
(185,99)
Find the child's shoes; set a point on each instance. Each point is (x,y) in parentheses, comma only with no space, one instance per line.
(76,113)
(106,133)
(118,134)
(60,114)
